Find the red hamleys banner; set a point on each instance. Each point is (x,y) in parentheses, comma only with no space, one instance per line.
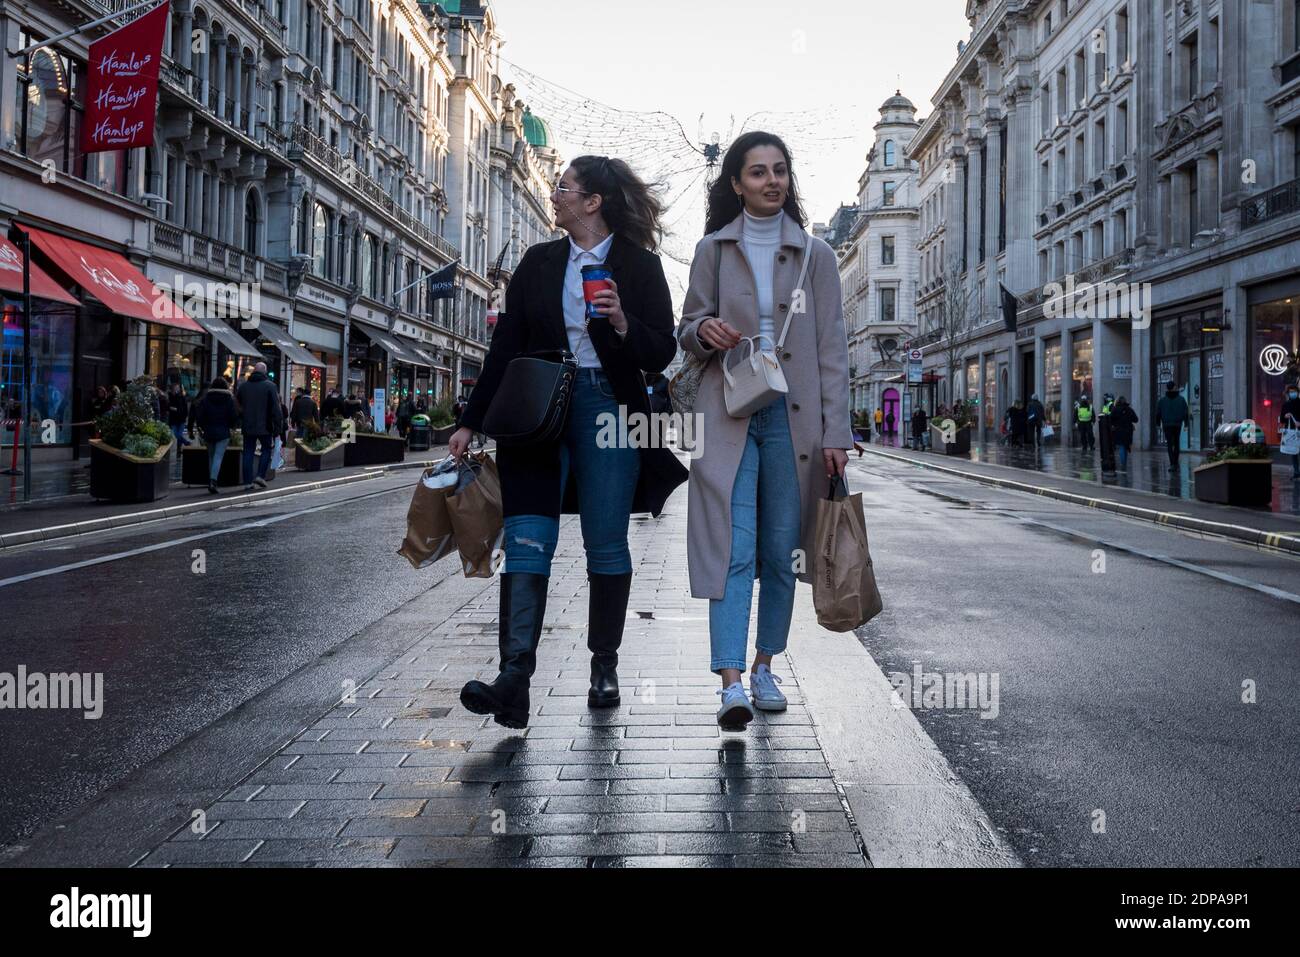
(122,88)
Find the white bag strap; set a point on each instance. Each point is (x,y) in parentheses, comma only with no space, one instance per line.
(798,286)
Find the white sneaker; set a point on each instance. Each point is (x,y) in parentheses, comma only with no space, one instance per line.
(763,687)
(736,711)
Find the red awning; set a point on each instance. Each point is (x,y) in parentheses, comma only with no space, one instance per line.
(11,276)
(112,280)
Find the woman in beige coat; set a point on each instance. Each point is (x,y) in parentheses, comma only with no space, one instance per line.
(754,487)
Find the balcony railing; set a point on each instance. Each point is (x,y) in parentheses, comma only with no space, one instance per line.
(1279,201)
(1091,273)
(181,245)
(331,159)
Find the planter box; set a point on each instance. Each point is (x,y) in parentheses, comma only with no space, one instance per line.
(308,461)
(1247,482)
(959,447)
(194,466)
(119,477)
(443,436)
(369,448)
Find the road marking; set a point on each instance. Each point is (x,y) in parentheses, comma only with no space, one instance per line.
(145,549)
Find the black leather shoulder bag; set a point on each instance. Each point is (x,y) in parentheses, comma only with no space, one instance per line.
(531,405)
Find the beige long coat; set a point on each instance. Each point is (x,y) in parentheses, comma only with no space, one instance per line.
(815,361)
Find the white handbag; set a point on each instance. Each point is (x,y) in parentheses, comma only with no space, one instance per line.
(1290,442)
(757,380)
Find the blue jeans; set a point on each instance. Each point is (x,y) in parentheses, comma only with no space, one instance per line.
(263,458)
(216,453)
(1121,453)
(606,480)
(765,519)
(179,432)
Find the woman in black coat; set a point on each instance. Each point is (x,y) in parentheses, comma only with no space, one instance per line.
(215,414)
(1122,421)
(610,216)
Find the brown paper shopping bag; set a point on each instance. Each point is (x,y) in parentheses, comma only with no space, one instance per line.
(844,583)
(476,517)
(429,535)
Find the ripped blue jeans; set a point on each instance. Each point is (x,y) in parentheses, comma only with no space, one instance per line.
(606,483)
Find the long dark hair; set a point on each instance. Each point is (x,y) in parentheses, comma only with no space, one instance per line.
(725,205)
(629,205)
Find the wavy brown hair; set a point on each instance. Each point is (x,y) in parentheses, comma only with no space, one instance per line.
(629,205)
(725,205)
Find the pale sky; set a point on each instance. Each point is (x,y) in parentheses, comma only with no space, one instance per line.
(825,68)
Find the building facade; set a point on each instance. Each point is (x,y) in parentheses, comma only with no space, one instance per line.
(314,161)
(1127,171)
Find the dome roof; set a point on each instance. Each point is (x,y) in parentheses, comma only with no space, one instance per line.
(535,129)
(897,102)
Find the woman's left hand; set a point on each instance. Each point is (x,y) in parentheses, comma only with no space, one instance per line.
(611,307)
(837,460)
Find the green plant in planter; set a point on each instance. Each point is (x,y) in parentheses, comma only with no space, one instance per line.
(440,415)
(158,431)
(333,426)
(131,414)
(1229,453)
(144,446)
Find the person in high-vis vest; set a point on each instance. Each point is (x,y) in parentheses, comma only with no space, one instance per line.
(1085,418)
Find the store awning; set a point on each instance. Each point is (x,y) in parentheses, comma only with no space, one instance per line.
(279,335)
(927,378)
(228,337)
(112,280)
(395,348)
(11,276)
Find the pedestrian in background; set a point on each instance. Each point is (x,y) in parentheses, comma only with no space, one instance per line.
(1289,418)
(404,412)
(1017,423)
(302,411)
(1035,415)
(332,405)
(1122,421)
(612,218)
(261,421)
(1172,413)
(215,414)
(920,422)
(178,414)
(1087,440)
(742,512)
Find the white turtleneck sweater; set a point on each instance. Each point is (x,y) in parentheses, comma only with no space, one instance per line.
(760,240)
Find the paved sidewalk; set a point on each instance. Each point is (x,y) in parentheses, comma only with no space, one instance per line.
(406,777)
(1263,521)
(78,513)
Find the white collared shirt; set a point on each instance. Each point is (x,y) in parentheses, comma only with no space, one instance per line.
(575,306)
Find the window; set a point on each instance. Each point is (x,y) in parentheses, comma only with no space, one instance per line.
(889,193)
(888,300)
(1192,62)
(1121,37)
(319,245)
(889,153)
(887,250)
(49,109)
(368,270)
(1121,131)
(1193,203)
(251,237)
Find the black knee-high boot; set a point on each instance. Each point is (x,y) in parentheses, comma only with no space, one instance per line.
(523,605)
(607,610)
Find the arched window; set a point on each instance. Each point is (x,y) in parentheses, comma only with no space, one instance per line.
(368,266)
(251,237)
(889,152)
(318,244)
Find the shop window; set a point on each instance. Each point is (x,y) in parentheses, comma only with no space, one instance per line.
(1274,358)
(52,335)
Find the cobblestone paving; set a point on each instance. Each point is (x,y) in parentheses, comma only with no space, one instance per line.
(406,777)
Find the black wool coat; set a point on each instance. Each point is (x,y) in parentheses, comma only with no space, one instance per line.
(533,321)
